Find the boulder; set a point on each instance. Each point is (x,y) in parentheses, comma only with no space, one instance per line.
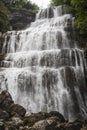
(10,126)
(84,128)
(76,125)
(17,121)
(52,122)
(33,118)
(6,100)
(15,108)
(13,124)
(5,95)
(59,116)
(40,125)
(4,115)
(7,104)
(2,127)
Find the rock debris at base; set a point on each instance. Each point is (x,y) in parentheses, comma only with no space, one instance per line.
(13,117)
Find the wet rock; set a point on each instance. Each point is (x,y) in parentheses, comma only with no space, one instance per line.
(13,123)
(5,95)
(68,74)
(46,13)
(84,125)
(40,125)
(2,57)
(2,127)
(65,57)
(60,118)
(18,109)
(6,100)
(7,104)
(76,125)
(15,119)
(33,118)
(51,14)
(52,122)
(10,127)
(85,66)
(23,128)
(49,117)
(4,115)
(85,128)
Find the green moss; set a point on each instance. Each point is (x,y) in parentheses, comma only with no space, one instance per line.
(4,23)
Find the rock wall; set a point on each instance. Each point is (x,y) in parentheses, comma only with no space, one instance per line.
(20,19)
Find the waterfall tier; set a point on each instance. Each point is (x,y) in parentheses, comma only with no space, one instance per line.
(44,68)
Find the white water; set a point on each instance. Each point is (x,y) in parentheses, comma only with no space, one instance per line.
(44,67)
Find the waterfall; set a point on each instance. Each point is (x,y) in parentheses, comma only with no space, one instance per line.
(44,68)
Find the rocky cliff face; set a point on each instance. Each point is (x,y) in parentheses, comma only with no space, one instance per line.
(20,19)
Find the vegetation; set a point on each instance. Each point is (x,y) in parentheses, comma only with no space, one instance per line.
(81,15)
(4,23)
(59,2)
(10,5)
(20,4)
(79,9)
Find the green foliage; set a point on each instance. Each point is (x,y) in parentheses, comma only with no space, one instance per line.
(11,5)
(4,23)
(79,9)
(56,2)
(81,15)
(20,4)
(30,6)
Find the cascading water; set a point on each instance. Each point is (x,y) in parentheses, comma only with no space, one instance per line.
(44,68)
